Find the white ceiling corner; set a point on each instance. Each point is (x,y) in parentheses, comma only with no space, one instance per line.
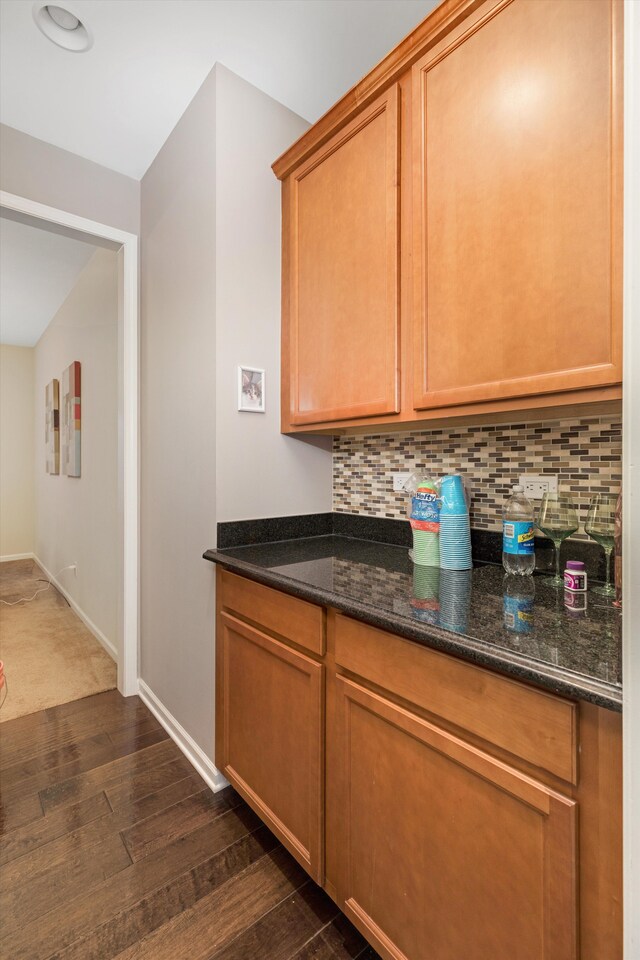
(117,103)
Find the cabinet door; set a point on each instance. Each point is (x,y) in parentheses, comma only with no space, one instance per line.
(517,200)
(445,852)
(271,713)
(342,348)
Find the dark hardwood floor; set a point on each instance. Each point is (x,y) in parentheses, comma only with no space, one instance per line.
(111,846)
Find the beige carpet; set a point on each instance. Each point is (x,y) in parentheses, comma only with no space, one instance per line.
(49,655)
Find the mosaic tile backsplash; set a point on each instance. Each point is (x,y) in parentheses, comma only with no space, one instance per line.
(585,455)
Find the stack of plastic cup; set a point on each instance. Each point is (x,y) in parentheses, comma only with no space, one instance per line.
(425,523)
(425,604)
(455,599)
(455,531)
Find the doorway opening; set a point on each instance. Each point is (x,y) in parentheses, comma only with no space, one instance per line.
(111,253)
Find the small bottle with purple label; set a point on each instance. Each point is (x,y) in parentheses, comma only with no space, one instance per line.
(575,576)
(575,604)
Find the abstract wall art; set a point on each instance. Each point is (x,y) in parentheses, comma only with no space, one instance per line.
(52,426)
(71,420)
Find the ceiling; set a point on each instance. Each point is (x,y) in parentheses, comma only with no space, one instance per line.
(117,103)
(38,270)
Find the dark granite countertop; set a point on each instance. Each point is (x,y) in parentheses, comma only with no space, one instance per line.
(536,639)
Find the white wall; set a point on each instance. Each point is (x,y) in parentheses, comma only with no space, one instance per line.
(46,174)
(39,171)
(177,492)
(77,518)
(17,494)
(210,300)
(259,472)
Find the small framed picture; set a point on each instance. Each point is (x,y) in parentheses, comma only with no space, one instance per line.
(250,389)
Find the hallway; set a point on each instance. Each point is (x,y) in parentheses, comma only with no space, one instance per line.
(49,656)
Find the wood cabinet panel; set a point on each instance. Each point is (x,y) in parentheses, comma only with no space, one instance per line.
(270,745)
(517,204)
(292,619)
(537,727)
(447,851)
(599,797)
(484,199)
(433,835)
(343,272)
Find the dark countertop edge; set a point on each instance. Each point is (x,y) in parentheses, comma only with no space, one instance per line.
(539,674)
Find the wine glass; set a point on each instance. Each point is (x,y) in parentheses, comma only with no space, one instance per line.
(557,519)
(600,526)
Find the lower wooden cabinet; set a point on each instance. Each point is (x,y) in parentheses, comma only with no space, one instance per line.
(445,846)
(270,729)
(451,812)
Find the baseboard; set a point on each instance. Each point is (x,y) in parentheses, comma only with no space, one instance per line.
(17,556)
(89,624)
(196,757)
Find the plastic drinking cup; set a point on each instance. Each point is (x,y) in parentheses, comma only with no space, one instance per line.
(452,496)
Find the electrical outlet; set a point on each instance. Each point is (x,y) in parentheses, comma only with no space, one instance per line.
(399,480)
(535,485)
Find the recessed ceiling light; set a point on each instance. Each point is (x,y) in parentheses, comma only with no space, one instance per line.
(64,19)
(62,27)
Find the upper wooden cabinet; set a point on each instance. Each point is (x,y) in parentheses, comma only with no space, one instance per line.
(452,228)
(343,272)
(516,195)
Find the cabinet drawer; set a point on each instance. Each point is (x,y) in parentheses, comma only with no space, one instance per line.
(291,619)
(538,727)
